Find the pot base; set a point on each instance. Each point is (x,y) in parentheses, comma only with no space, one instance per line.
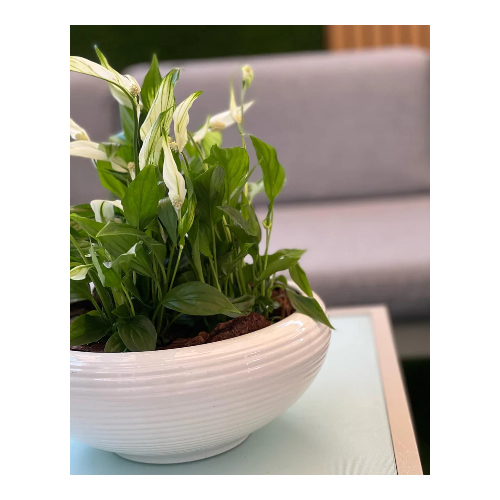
(178,458)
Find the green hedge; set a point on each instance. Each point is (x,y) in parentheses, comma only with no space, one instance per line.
(125,45)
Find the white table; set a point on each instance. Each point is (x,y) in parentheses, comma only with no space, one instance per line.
(354,418)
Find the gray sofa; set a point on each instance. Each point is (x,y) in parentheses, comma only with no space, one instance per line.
(352,131)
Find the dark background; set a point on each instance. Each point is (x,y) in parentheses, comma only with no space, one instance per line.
(127,45)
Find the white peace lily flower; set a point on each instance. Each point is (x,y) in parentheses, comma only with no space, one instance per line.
(104,209)
(173,179)
(233,107)
(181,120)
(79,273)
(94,151)
(87,149)
(220,122)
(123,88)
(77,132)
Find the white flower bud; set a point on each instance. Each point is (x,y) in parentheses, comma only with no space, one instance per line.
(247,74)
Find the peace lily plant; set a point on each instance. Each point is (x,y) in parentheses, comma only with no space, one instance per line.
(179,245)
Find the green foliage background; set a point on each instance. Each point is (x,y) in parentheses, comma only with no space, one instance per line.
(126,45)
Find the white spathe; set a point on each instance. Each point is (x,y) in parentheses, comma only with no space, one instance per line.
(77,132)
(124,88)
(87,149)
(220,121)
(181,120)
(104,209)
(173,179)
(94,151)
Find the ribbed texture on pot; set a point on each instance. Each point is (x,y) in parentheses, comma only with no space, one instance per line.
(184,404)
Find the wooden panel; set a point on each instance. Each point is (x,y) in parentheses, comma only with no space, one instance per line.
(340,37)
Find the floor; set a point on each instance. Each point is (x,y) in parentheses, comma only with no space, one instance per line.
(417,375)
(413,344)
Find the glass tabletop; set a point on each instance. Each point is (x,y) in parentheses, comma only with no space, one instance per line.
(339,426)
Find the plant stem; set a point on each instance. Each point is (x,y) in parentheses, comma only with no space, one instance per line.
(103,294)
(169,267)
(135,145)
(101,291)
(241,126)
(215,252)
(268,227)
(176,266)
(131,306)
(214,272)
(200,154)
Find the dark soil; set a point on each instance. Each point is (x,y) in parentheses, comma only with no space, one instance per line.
(223,331)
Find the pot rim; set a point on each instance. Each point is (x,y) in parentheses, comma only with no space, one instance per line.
(305,320)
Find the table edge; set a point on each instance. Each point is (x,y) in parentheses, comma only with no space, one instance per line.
(398,412)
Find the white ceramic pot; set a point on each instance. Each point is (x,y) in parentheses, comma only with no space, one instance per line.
(185,404)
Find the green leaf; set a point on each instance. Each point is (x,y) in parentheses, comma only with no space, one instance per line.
(294,253)
(140,203)
(127,118)
(209,140)
(84,210)
(187,220)
(205,239)
(209,188)
(298,275)
(115,344)
(308,306)
(119,238)
(137,333)
(238,219)
(235,163)
(91,227)
(111,179)
(235,195)
(135,259)
(79,273)
(87,328)
(198,299)
(121,311)
(244,304)
(274,173)
(163,101)
(108,277)
(151,149)
(168,217)
(228,267)
(277,265)
(79,290)
(194,239)
(151,84)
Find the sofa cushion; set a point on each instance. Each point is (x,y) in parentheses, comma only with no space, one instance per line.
(363,252)
(345,124)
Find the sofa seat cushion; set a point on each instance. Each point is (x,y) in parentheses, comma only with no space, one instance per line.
(362,252)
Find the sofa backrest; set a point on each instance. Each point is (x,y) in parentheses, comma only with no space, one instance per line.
(346,124)
(93,108)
